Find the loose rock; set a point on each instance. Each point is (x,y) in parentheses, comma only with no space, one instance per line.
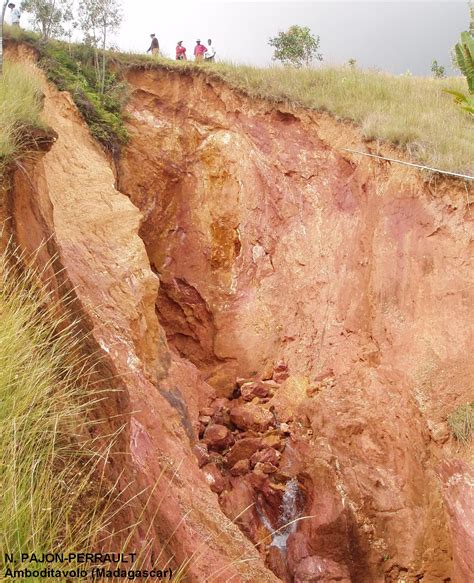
(218,437)
(240,468)
(243,449)
(251,390)
(251,417)
(214,478)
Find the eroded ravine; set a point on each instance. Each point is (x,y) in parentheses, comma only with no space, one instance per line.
(272,247)
(317,319)
(67,198)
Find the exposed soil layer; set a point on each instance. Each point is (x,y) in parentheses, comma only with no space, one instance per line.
(274,246)
(288,328)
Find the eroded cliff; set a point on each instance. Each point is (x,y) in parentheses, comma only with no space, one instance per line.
(287,328)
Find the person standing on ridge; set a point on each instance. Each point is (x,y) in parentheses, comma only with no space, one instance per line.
(210,55)
(199,51)
(154,46)
(180,51)
(15,15)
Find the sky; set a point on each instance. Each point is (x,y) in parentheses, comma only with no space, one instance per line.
(393,36)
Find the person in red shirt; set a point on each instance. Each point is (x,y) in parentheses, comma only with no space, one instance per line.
(180,52)
(199,51)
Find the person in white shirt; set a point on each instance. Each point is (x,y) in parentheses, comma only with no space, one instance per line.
(15,14)
(211,51)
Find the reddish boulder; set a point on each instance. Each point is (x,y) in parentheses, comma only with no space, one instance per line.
(220,403)
(249,391)
(207,412)
(252,417)
(214,478)
(280,372)
(240,468)
(218,437)
(238,504)
(277,563)
(274,440)
(297,549)
(201,453)
(268,455)
(243,449)
(321,570)
(269,468)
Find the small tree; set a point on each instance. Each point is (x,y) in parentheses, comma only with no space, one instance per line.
(49,16)
(439,72)
(352,63)
(98,19)
(296,47)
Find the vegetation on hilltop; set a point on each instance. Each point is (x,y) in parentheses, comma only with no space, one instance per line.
(296,47)
(413,113)
(100,100)
(73,68)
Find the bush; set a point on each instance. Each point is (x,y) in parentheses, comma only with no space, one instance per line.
(71,68)
(461,422)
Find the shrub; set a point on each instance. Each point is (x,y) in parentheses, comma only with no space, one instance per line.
(72,68)
(439,72)
(296,47)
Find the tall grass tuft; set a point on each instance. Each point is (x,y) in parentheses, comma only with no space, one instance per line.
(51,489)
(20,108)
(461,422)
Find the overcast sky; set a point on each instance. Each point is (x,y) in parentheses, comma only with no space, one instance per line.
(393,36)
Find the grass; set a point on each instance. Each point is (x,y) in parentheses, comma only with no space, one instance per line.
(461,422)
(51,500)
(413,113)
(20,109)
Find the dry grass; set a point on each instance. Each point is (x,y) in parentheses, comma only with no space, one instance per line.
(413,113)
(461,422)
